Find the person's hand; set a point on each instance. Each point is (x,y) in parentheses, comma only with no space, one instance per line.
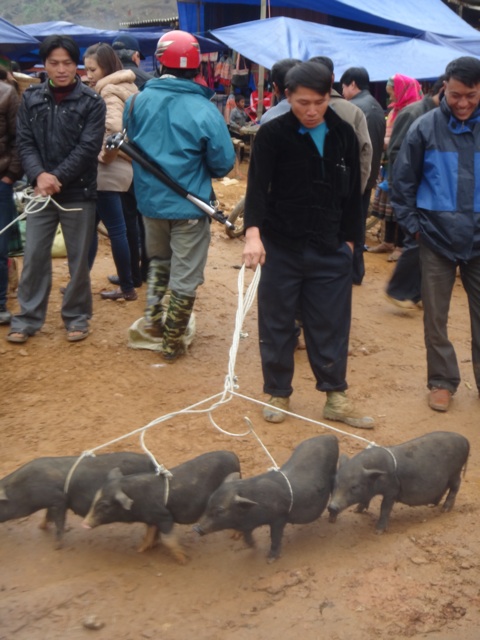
(47,184)
(350,244)
(7,180)
(254,251)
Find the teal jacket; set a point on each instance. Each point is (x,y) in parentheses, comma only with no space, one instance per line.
(175,124)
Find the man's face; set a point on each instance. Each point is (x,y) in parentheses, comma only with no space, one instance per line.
(308,106)
(349,91)
(60,67)
(461,99)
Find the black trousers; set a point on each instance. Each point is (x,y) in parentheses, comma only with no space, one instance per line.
(320,286)
(406,280)
(359,248)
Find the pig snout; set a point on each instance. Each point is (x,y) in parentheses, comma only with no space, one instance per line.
(198,529)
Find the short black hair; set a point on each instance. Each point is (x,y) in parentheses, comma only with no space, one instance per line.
(465,69)
(279,71)
(437,86)
(59,42)
(312,75)
(359,75)
(328,62)
(238,98)
(186,74)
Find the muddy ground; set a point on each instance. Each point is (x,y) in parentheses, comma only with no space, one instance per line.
(342,582)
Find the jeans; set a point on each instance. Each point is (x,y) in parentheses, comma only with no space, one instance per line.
(110,212)
(7,214)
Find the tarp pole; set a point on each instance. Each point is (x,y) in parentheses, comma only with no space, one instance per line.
(261,70)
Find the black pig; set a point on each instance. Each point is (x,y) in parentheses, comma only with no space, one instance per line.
(270,499)
(418,472)
(40,484)
(141,498)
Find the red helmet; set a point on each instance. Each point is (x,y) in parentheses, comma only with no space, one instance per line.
(178,50)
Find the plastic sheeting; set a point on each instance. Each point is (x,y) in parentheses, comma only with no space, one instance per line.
(14,39)
(267,41)
(411,17)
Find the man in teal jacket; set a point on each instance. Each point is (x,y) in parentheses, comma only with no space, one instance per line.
(173,121)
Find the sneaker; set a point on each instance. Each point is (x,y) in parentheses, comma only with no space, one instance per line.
(439,399)
(338,407)
(5,316)
(275,412)
(402,304)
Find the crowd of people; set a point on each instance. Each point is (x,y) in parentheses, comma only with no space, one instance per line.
(318,162)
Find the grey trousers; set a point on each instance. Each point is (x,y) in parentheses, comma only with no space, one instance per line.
(36,280)
(438,278)
(182,248)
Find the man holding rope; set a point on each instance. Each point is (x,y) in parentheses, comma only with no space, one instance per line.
(60,130)
(302,219)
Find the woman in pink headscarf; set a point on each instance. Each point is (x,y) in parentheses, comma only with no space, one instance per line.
(402,91)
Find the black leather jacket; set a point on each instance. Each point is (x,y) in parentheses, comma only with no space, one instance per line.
(63,139)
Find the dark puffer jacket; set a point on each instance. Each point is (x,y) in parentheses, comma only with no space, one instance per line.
(63,139)
(296,196)
(9,161)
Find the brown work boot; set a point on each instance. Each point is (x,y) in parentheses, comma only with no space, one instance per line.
(275,412)
(439,399)
(338,407)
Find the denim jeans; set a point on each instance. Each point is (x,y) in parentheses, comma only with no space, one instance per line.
(7,214)
(110,212)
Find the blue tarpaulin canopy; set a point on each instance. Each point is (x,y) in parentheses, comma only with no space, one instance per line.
(86,36)
(266,41)
(13,39)
(411,17)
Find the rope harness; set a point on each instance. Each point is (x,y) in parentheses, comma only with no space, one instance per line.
(220,399)
(34,204)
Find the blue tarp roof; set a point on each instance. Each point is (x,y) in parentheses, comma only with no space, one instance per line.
(405,16)
(86,36)
(266,41)
(13,38)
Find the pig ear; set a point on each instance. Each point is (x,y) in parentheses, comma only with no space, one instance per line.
(232,477)
(3,495)
(245,503)
(124,500)
(373,474)
(115,474)
(342,460)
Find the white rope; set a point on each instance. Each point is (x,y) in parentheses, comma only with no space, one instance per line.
(160,469)
(229,391)
(395,465)
(74,466)
(35,204)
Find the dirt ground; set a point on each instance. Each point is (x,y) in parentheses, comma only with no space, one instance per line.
(337,581)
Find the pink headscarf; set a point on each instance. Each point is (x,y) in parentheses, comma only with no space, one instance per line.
(406,90)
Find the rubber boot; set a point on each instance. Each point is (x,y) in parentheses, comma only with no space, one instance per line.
(157,284)
(176,323)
